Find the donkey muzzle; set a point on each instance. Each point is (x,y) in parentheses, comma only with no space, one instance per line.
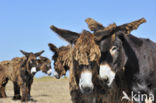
(33,70)
(85,83)
(56,75)
(106,74)
(49,72)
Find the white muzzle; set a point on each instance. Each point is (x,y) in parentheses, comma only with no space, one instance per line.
(56,75)
(49,71)
(33,70)
(106,73)
(85,82)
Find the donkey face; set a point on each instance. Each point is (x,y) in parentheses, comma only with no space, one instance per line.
(61,59)
(44,65)
(113,56)
(85,57)
(31,62)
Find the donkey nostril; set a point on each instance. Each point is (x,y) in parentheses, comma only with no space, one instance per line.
(49,74)
(87,89)
(57,76)
(33,73)
(106,80)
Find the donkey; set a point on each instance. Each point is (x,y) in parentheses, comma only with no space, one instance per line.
(44,65)
(85,56)
(137,56)
(61,59)
(20,71)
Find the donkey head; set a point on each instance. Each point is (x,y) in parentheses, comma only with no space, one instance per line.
(110,40)
(44,65)
(31,62)
(61,59)
(85,56)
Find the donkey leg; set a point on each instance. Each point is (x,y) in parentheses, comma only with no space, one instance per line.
(25,95)
(0,94)
(3,94)
(17,95)
(1,91)
(2,88)
(29,88)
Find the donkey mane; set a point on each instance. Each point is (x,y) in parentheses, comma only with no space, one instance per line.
(64,48)
(5,62)
(21,60)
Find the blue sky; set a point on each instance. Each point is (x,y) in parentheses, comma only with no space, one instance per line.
(24,24)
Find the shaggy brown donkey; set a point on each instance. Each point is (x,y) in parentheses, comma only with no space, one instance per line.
(75,87)
(85,55)
(44,65)
(61,59)
(20,71)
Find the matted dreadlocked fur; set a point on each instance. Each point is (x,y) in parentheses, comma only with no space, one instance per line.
(85,49)
(64,55)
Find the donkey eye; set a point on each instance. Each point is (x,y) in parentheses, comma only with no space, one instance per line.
(113,50)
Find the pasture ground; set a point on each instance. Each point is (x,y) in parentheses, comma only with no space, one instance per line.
(44,90)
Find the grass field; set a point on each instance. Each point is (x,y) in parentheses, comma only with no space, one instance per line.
(44,90)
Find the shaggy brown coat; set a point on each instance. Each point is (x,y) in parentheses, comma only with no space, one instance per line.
(18,70)
(62,60)
(83,52)
(44,65)
(110,95)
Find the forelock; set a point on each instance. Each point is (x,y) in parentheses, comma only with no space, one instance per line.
(86,49)
(32,55)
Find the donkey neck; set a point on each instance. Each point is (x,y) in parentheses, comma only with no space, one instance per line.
(132,65)
(140,64)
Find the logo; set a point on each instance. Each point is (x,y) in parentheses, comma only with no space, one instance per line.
(125,96)
(138,97)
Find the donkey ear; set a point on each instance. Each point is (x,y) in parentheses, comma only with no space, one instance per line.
(39,53)
(93,25)
(24,53)
(42,58)
(127,28)
(69,36)
(53,47)
(109,30)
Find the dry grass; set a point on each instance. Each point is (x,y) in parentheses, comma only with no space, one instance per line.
(44,90)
